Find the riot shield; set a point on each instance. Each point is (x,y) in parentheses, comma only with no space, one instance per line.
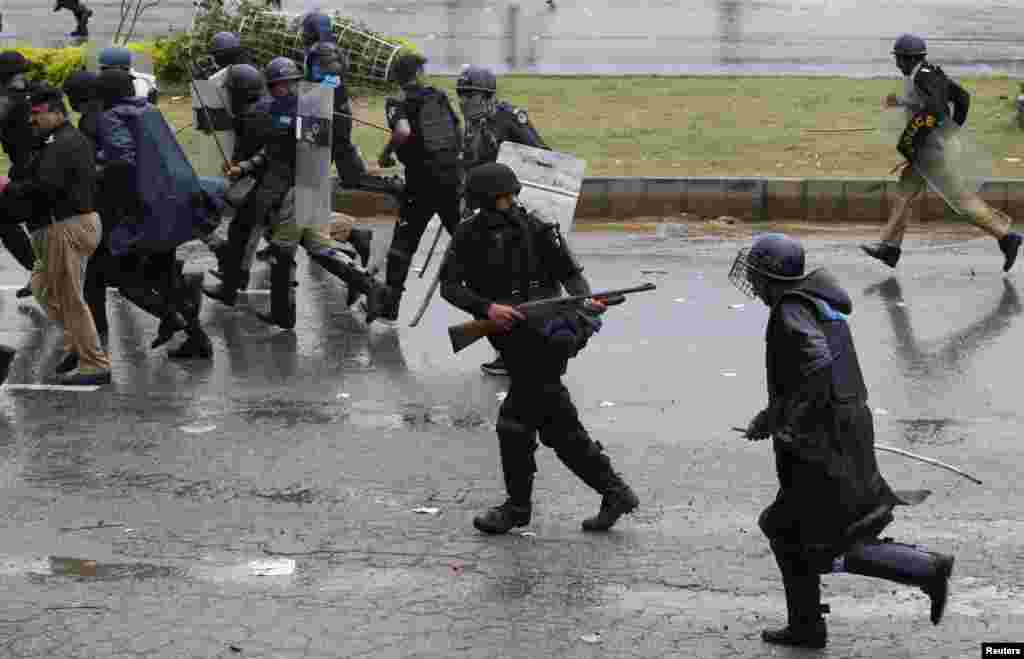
(313,133)
(951,162)
(211,117)
(551,181)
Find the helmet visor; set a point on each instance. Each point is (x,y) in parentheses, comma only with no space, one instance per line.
(742,274)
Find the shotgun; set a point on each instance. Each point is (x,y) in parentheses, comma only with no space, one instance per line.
(466,334)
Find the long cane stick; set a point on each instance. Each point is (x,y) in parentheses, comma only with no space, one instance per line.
(430,292)
(433,246)
(362,121)
(907,454)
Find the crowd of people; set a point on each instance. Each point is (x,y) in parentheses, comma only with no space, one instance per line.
(85,207)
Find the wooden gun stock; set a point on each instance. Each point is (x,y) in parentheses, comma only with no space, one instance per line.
(464,335)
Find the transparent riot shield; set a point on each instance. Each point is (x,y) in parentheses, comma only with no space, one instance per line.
(551,181)
(211,117)
(313,134)
(952,162)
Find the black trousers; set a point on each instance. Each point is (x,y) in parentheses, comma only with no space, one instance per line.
(423,200)
(100,272)
(538,406)
(16,239)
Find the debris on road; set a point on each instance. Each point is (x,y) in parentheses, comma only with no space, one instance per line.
(607,403)
(198,429)
(737,306)
(272,567)
(426,511)
(591,638)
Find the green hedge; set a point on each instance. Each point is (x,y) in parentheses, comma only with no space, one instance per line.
(55,64)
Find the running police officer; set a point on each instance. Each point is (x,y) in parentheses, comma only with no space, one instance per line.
(501,257)
(832,502)
(925,143)
(426,137)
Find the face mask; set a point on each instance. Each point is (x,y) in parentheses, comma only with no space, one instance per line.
(476,106)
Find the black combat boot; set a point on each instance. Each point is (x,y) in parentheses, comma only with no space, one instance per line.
(155,305)
(586,459)
(805,626)
(6,357)
(358,281)
(196,346)
(1010,246)
(361,239)
(618,501)
(503,518)
(906,564)
(885,252)
(282,293)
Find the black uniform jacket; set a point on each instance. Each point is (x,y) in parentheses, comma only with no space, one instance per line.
(61,180)
(824,443)
(937,93)
(510,124)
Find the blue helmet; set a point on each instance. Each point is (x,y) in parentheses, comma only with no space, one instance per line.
(476,79)
(909,45)
(225,41)
(115,58)
(282,68)
(316,26)
(773,256)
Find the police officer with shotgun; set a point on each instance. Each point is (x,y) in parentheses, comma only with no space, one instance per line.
(832,502)
(504,257)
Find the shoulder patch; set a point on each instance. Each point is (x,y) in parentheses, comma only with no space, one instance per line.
(521,116)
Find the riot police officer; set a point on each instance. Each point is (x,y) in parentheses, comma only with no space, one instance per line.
(328,65)
(426,137)
(832,502)
(930,125)
(272,161)
(19,143)
(501,257)
(226,50)
(490,122)
(121,59)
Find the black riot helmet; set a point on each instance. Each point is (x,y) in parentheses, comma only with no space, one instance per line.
(476,79)
(12,63)
(909,44)
(226,48)
(407,67)
(316,26)
(909,50)
(282,68)
(245,84)
(80,88)
(489,181)
(773,258)
(477,88)
(326,59)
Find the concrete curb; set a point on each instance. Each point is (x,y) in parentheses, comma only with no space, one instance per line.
(752,199)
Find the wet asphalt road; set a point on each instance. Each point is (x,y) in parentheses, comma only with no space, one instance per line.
(264,505)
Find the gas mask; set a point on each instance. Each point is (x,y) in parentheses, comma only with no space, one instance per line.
(477,106)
